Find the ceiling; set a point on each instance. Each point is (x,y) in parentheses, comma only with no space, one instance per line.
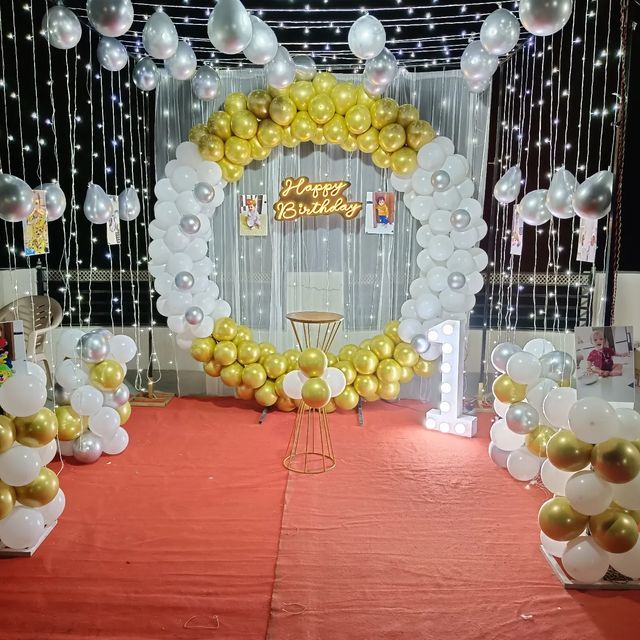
(421,33)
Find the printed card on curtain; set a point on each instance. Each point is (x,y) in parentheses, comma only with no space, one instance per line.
(517,233)
(253,217)
(380,213)
(113,226)
(12,349)
(35,229)
(587,241)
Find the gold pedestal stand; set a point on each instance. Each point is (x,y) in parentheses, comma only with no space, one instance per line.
(151,398)
(310,449)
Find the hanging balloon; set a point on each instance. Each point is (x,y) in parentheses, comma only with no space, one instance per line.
(305,67)
(146,74)
(112,54)
(533,209)
(281,71)
(476,63)
(98,207)
(264,44)
(560,195)
(111,18)
(159,36)
(367,37)
(371,89)
(592,199)
(230,28)
(205,83)
(128,204)
(16,198)
(499,32)
(478,86)
(61,28)
(183,63)
(382,69)
(508,187)
(544,17)
(55,201)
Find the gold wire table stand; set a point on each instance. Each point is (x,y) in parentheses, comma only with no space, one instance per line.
(310,448)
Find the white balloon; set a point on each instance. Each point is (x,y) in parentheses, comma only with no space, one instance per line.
(446,143)
(593,420)
(204,329)
(523,465)
(222,310)
(627,563)
(160,37)
(500,407)
(159,252)
(22,528)
(264,44)
(123,348)
(457,167)
(175,240)
(19,465)
(292,384)
(179,262)
(554,547)
(164,188)
(418,287)
(421,182)
(105,422)
(454,301)
(409,329)
(538,392)
(187,204)
(523,368)
(480,257)
(588,493)
(467,188)
(431,157)
(209,172)
(504,438)
(48,452)
(440,247)
(424,262)
(584,560)
(440,221)
(629,424)
(554,479)
(184,178)
(423,236)
(22,395)
(437,278)
(408,309)
(477,65)
(86,400)
(556,406)
(500,32)
(427,306)
(117,444)
(197,249)
(336,381)
(400,183)
(499,456)
(53,510)
(187,154)
(461,261)
(183,64)
(538,347)
(177,323)
(449,199)
(70,375)
(367,37)
(627,495)
(421,207)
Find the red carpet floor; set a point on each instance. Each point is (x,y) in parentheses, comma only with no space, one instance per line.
(413,535)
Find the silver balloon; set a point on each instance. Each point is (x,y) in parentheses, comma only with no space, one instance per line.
(54,200)
(420,343)
(190,224)
(183,63)
(112,54)
(87,448)
(159,36)
(478,86)
(557,366)
(117,398)
(544,17)
(456,280)
(61,28)
(501,354)
(264,44)
(305,67)
(146,75)
(533,209)
(522,418)
(98,207)
(61,396)
(111,18)
(367,37)
(205,83)
(499,32)
(16,198)
(184,281)
(194,315)
(281,71)
(592,199)
(371,89)
(92,347)
(560,194)
(101,331)
(508,187)
(440,180)
(204,192)
(460,219)
(128,205)
(230,29)
(382,69)
(476,63)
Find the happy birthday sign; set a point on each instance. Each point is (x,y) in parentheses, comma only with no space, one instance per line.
(299,197)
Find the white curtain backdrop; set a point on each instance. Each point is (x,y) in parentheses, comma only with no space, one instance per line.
(324,262)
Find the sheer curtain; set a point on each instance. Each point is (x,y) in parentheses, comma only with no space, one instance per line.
(323,262)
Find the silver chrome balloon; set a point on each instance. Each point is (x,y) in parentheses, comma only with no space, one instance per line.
(500,32)
(533,209)
(128,205)
(112,54)
(478,86)
(305,67)
(54,200)
(460,219)
(16,198)
(420,343)
(592,199)
(111,18)
(522,418)
(159,36)
(264,44)
(456,280)
(367,37)
(92,347)
(560,194)
(183,63)
(190,224)
(476,63)
(508,187)
(146,75)
(204,192)
(281,71)
(87,448)
(373,90)
(501,354)
(184,281)
(61,396)
(101,331)
(382,69)
(230,29)
(440,180)
(98,207)
(544,17)
(194,316)
(557,366)
(205,83)
(61,28)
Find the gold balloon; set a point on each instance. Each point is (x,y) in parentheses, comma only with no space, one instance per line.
(508,391)
(279,386)
(419,133)
(274,93)
(235,102)
(243,392)
(344,96)
(560,521)
(225,353)
(318,136)
(406,375)
(364,99)
(407,114)
(225,329)
(266,349)
(425,368)
(368,141)
(405,355)
(269,134)
(258,152)
(384,112)
(7,499)
(302,92)
(282,110)
(538,439)
(197,132)
(391,330)
(346,352)
(332,358)
(348,369)
(381,158)
(243,333)
(634,513)
(614,531)
(392,137)
(288,139)
(382,346)
(335,131)
(312,362)
(389,371)
(202,349)
(219,124)
(244,124)
(212,368)
(365,362)
(37,430)
(615,460)
(303,127)
(237,151)
(266,395)
(124,411)
(258,103)
(285,404)
(366,344)
(248,352)
(367,387)
(350,144)
(70,424)
(404,161)
(316,393)
(388,390)
(211,148)
(7,433)
(275,365)
(330,407)
(40,491)
(566,452)
(323,82)
(358,119)
(348,399)
(254,376)
(232,375)
(230,172)
(292,356)
(107,375)
(321,108)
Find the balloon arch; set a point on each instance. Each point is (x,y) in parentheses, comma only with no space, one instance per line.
(319,109)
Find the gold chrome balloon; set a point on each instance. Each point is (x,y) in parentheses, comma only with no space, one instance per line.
(367,387)
(391,331)
(406,375)
(244,392)
(279,387)
(266,349)
(318,136)
(388,371)
(202,349)
(321,108)
(211,148)
(365,362)
(565,451)
(244,124)
(219,124)
(358,119)
(425,368)
(404,161)
(368,141)
(332,359)
(335,131)
(37,430)
(614,531)
(348,399)
(560,521)
(7,433)
(419,133)
(232,375)
(197,132)
(70,424)
(405,355)
(225,329)
(381,158)
(266,395)
(330,407)
(282,110)
(382,346)
(40,491)
(316,393)
(243,333)
(258,103)
(285,404)
(384,112)
(364,99)
(237,151)
(302,92)
(269,134)
(346,352)
(615,460)
(350,144)
(366,344)
(392,137)
(288,139)
(248,352)
(508,391)
(324,82)
(124,411)
(274,93)
(212,368)
(275,365)
(407,114)
(235,102)
(254,376)
(258,152)
(634,513)
(303,127)
(537,440)
(292,356)
(348,369)
(225,353)
(230,172)
(7,499)
(344,96)
(312,362)
(388,390)
(107,375)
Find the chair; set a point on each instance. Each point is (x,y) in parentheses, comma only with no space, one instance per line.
(39,315)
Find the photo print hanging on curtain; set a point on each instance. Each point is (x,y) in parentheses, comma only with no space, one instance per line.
(380,216)
(253,219)
(12,348)
(35,230)
(587,241)
(517,234)
(113,224)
